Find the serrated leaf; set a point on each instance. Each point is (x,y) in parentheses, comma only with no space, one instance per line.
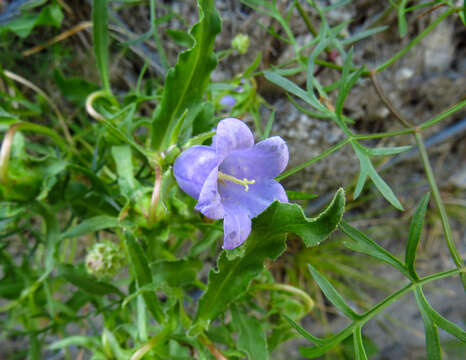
(91,225)
(186,83)
(142,274)
(415,231)
(86,282)
(100,37)
(359,351)
(332,294)
(445,324)
(251,338)
(368,246)
(267,241)
(431,333)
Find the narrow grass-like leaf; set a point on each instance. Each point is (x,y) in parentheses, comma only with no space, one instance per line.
(88,342)
(100,35)
(387,150)
(268,126)
(267,241)
(343,89)
(359,351)
(86,282)
(186,83)
(445,324)
(368,170)
(363,34)
(430,328)
(142,274)
(303,332)
(402,24)
(316,351)
(251,338)
(368,246)
(289,86)
(91,225)
(415,231)
(332,294)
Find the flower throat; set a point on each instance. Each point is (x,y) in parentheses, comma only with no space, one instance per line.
(245,182)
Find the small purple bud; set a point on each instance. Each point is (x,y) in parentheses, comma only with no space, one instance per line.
(228,101)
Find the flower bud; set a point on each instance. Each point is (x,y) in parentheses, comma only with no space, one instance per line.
(104,259)
(240,43)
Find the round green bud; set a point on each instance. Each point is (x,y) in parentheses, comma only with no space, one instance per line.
(240,43)
(104,259)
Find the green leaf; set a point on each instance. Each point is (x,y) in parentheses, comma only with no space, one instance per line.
(332,294)
(186,83)
(251,338)
(100,36)
(251,68)
(359,351)
(402,25)
(266,241)
(181,38)
(126,180)
(74,89)
(298,195)
(91,225)
(88,342)
(176,273)
(368,246)
(431,332)
(368,170)
(415,231)
(86,282)
(142,274)
(290,87)
(387,150)
(445,324)
(303,332)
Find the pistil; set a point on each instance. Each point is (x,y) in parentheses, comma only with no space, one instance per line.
(245,182)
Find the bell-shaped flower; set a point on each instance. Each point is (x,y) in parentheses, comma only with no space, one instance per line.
(233,179)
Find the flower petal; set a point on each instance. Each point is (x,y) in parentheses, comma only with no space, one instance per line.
(192,167)
(232,134)
(266,159)
(258,198)
(210,202)
(236,226)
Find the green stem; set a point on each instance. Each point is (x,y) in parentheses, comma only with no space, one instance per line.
(438,200)
(443,115)
(313,160)
(416,40)
(390,300)
(306,19)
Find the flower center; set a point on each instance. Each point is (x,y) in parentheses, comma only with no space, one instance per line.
(245,182)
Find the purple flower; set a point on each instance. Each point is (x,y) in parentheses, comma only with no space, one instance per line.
(233,179)
(228,101)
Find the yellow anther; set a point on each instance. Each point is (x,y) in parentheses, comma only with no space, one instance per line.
(245,182)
